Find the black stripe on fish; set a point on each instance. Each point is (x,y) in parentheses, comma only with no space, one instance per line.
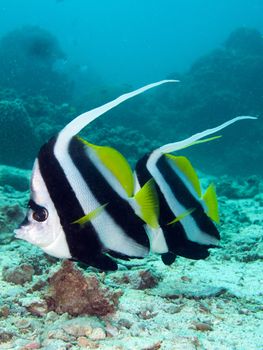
(119,209)
(175,236)
(33,205)
(82,241)
(186,199)
(142,172)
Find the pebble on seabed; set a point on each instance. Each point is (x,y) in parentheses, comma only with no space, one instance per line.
(97,334)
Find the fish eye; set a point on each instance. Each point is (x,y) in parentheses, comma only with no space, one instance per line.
(40,214)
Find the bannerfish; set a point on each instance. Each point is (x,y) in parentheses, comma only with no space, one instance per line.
(86,205)
(82,204)
(186,216)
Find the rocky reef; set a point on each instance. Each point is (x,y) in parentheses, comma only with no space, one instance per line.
(28,59)
(34,94)
(14,117)
(14,193)
(221,85)
(26,123)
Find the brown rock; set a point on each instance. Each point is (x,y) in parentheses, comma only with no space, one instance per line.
(147,280)
(202,326)
(5,336)
(155,346)
(18,274)
(31,346)
(38,309)
(86,343)
(71,292)
(4,311)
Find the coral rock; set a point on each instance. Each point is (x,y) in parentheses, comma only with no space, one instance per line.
(143,279)
(71,292)
(97,334)
(202,326)
(13,117)
(5,336)
(83,342)
(147,280)
(38,309)
(17,178)
(18,274)
(4,311)
(31,346)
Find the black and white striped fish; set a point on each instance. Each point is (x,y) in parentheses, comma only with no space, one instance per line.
(82,204)
(186,221)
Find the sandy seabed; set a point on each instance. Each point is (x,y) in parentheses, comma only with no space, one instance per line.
(215,303)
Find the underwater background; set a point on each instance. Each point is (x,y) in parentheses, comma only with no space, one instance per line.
(59,58)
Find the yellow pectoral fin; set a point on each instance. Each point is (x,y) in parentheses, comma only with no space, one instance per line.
(90,216)
(116,163)
(206,140)
(184,165)
(148,202)
(210,200)
(181,216)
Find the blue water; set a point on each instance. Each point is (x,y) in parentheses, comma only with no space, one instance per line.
(61,58)
(133,41)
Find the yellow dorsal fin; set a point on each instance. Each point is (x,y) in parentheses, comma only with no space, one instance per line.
(148,202)
(181,216)
(92,215)
(210,200)
(184,165)
(115,162)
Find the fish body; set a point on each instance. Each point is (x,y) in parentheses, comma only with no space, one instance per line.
(185,226)
(81,205)
(76,187)
(187,217)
